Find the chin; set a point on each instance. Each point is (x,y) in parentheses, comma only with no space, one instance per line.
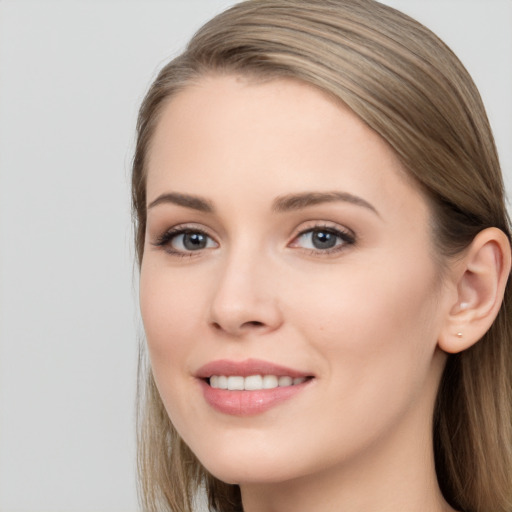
(239,472)
(245,460)
(254,459)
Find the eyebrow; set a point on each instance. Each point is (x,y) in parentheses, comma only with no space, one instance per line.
(289,202)
(186,200)
(303,200)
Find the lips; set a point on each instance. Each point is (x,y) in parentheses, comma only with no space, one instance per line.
(246,368)
(249,387)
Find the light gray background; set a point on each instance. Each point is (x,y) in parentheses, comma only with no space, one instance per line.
(72,74)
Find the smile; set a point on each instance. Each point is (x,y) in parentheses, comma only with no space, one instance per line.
(250,387)
(253,382)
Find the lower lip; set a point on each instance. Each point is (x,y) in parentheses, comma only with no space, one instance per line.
(249,403)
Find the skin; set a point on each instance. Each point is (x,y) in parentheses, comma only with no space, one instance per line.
(364,320)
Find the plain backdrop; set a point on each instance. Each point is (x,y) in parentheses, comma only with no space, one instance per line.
(72,74)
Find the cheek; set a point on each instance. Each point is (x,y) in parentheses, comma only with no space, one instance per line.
(372,319)
(169,311)
(374,337)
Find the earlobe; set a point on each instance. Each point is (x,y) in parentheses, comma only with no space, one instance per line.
(480,278)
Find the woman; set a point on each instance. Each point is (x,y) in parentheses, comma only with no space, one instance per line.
(324,253)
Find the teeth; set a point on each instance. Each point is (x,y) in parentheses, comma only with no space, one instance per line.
(270,382)
(236,383)
(285,381)
(253,382)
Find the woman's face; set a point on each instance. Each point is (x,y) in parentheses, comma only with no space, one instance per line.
(289,259)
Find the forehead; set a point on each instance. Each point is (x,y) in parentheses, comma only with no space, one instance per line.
(272,137)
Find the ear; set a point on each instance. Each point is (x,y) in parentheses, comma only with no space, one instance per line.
(480,277)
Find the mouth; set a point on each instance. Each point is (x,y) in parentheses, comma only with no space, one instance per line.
(249,387)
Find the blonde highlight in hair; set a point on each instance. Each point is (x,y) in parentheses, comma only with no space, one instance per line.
(412,90)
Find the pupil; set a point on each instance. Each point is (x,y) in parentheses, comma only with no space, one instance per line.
(324,240)
(194,241)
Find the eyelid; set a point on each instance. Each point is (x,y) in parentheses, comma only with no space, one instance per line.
(322,224)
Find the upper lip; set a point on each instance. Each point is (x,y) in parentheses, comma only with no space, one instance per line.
(246,368)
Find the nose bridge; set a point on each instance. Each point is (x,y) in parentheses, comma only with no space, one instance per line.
(244,298)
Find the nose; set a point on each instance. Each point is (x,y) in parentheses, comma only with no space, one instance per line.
(245,298)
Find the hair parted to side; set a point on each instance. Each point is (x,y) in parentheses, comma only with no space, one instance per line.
(412,90)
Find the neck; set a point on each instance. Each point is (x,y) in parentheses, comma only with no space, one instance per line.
(401,483)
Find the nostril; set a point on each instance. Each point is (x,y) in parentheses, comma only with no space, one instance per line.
(254,323)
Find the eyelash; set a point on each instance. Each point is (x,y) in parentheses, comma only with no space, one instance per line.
(344,236)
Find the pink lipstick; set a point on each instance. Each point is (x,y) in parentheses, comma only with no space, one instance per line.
(249,387)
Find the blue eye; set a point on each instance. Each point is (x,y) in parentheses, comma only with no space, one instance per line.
(323,239)
(182,241)
(192,241)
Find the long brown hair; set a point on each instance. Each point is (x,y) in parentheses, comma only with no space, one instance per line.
(412,90)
